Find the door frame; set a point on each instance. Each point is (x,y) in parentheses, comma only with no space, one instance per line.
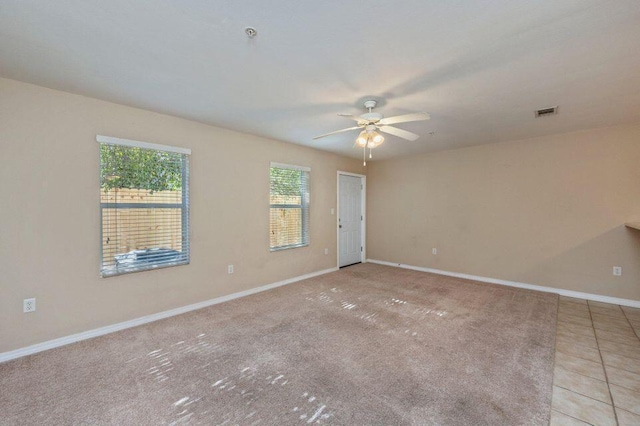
(363,222)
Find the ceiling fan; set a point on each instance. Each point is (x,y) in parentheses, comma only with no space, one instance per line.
(371,123)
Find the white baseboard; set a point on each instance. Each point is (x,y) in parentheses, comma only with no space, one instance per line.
(50,344)
(560,291)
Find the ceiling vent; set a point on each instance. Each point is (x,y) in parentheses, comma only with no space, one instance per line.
(547,111)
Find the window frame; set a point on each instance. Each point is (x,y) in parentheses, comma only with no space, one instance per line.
(184,206)
(304,206)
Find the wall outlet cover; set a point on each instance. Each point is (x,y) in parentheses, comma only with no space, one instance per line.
(617,271)
(29,305)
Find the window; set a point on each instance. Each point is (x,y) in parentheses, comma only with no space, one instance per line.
(144,206)
(289,202)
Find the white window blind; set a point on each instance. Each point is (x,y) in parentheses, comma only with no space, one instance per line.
(144,206)
(289,206)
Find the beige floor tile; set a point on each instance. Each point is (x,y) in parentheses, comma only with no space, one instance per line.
(582,407)
(579,351)
(572,305)
(621,362)
(576,339)
(614,328)
(611,325)
(632,316)
(600,319)
(559,419)
(608,312)
(634,323)
(631,313)
(595,304)
(577,329)
(575,310)
(631,340)
(625,332)
(587,386)
(624,378)
(620,349)
(626,418)
(580,393)
(574,320)
(625,399)
(573,300)
(580,366)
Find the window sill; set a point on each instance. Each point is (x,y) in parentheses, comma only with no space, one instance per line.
(272,249)
(114,272)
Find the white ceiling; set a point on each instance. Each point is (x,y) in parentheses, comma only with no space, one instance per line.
(480,68)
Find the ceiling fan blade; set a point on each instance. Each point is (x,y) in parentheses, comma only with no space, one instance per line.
(337,131)
(418,116)
(399,133)
(351,117)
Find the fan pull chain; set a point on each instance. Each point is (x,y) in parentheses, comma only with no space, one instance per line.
(364,156)
(370,150)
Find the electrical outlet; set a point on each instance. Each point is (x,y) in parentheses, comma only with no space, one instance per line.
(230,269)
(617,271)
(326,251)
(29,305)
(434,251)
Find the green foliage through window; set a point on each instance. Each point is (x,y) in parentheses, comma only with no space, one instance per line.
(285,181)
(138,168)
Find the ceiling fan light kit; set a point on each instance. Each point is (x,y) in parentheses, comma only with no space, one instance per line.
(372,123)
(369,138)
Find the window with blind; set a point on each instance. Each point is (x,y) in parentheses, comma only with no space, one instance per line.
(289,206)
(144,206)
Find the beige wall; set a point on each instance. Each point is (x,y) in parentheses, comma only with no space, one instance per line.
(546,211)
(50,238)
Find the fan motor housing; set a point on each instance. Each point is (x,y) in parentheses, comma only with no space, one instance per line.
(370,104)
(371,116)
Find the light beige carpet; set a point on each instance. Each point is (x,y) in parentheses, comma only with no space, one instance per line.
(368,345)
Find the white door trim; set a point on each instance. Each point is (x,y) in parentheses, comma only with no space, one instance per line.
(363,224)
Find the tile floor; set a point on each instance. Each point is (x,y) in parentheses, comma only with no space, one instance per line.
(596,379)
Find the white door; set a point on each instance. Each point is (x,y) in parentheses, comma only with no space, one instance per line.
(350,220)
